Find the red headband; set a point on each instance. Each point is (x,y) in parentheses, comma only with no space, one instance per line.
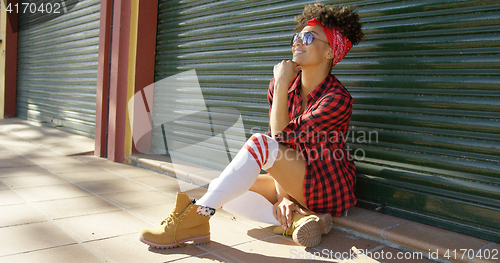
(340,44)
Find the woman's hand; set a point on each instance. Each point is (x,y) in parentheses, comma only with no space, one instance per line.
(285,71)
(282,211)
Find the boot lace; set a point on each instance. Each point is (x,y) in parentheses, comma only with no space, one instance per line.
(289,231)
(173,219)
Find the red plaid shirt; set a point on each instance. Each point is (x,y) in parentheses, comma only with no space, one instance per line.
(318,134)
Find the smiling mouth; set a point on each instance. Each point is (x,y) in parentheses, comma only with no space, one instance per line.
(298,52)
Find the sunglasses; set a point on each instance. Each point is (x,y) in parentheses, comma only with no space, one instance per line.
(305,37)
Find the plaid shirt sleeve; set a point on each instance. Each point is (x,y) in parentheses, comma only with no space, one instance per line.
(328,113)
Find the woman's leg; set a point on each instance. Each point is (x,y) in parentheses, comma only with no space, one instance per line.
(285,165)
(253,206)
(264,185)
(259,152)
(257,203)
(289,171)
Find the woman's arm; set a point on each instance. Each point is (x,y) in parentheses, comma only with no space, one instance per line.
(281,193)
(284,208)
(279,112)
(284,73)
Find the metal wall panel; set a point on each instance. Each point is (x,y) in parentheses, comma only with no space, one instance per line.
(425,83)
(57,67)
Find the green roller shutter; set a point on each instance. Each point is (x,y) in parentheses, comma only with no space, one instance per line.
(57,67)
(425,83)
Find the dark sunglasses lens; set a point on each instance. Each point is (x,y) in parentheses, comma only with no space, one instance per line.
(294,38)
(307,38)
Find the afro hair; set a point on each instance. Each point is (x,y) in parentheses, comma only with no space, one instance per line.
(340,16)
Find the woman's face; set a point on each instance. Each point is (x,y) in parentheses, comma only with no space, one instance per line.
(314,54)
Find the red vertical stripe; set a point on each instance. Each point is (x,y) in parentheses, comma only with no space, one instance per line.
(101,119)
(252,152)
(146,46)
(259,147)
(10,79)
(266,146)
(119,80)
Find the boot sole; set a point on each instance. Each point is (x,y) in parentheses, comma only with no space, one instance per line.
(196,241)
(325,223)
(308,234)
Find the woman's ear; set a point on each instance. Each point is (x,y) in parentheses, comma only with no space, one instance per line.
(330,55)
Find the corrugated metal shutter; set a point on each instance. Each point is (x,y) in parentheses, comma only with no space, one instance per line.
(57,67)
(425,85)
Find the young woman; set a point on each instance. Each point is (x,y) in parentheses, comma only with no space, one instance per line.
(311,175)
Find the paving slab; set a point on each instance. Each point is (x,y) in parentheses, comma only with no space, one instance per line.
(78,206)
(31,237)
(20,214)
(63,254)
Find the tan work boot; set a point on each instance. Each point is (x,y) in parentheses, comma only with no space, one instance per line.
(182,225)
(307,230)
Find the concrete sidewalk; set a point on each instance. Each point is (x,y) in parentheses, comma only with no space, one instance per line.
(59,203)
